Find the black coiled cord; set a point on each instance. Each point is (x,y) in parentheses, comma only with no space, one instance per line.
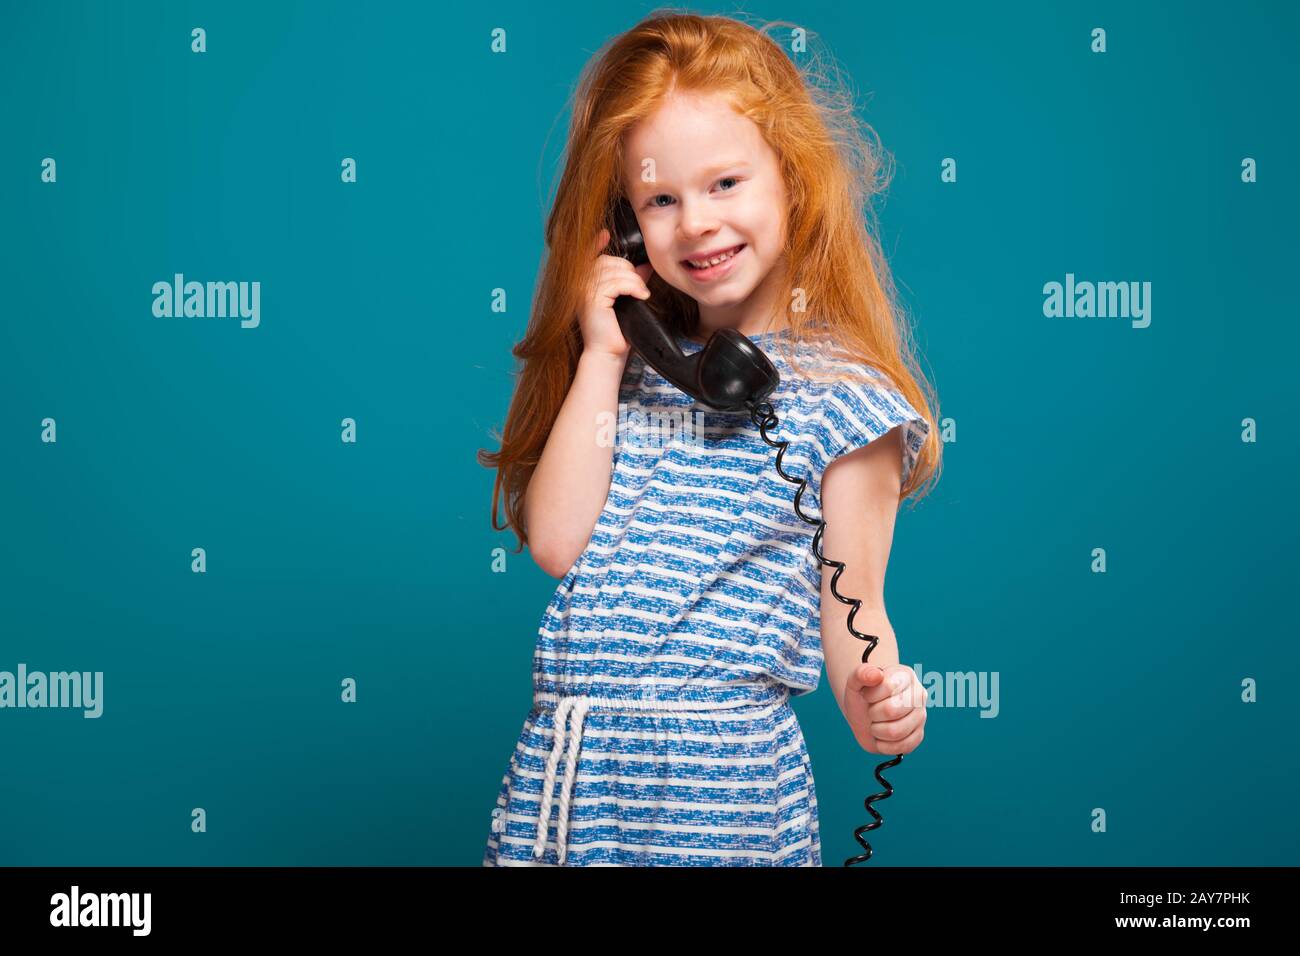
(764,416)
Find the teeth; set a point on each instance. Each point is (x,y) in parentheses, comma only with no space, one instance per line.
(705,263)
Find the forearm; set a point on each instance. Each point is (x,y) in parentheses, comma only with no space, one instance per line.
(842,650)
(861,494)
(569,486)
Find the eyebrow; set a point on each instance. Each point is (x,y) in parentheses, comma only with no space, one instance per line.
(709,173)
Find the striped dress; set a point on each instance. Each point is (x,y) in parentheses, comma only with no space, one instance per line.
(661,731)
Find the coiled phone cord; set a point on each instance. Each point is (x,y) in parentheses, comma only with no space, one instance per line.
(764,416)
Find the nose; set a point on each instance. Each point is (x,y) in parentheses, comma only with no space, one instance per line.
(696,221)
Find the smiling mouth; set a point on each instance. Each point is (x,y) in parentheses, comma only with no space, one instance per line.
(715,261)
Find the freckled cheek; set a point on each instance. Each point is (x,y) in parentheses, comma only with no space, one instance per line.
(761,246)
(764,236)
(661,256)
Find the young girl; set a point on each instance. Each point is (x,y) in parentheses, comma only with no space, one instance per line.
(691,607)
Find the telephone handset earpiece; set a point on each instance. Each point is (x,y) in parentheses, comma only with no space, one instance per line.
(730,373)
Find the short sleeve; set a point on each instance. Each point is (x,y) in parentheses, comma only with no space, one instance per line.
(849,414)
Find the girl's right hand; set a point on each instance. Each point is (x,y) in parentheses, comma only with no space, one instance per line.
(610,277)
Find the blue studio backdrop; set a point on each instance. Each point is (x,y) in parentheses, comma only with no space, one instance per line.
(267,532)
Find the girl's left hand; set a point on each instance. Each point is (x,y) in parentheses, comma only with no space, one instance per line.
(886,708)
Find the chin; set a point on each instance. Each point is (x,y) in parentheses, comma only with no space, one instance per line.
(718,299)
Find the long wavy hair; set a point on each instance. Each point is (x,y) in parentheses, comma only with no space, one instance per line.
(832,168)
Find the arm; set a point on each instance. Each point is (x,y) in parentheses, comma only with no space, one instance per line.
(569,486)
(860,498)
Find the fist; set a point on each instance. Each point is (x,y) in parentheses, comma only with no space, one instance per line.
(886,708)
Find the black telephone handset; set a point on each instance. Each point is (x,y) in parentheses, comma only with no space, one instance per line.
(730,373)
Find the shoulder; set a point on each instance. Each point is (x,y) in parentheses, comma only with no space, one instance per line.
(849,403)
(828,375)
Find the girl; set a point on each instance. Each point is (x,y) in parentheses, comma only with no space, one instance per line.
(691,607)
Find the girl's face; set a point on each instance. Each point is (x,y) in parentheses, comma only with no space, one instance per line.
(714,188)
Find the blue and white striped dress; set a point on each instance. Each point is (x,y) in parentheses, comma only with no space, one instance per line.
(669,653)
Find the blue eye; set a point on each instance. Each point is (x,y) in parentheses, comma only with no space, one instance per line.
(650,203)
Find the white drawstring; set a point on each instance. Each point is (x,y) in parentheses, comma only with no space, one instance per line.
(578,706)
(572,710)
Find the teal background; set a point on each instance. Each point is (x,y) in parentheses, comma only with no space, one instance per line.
(373,560)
